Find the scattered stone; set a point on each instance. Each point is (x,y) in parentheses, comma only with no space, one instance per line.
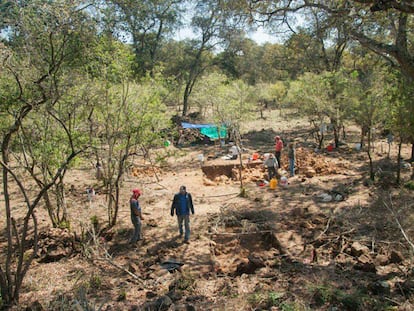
(151,223)
(405,288)
(380,288)
(325,197)
(357,249)
(396,257)
(161,304)
(132,267)
(35,306)
(365,267)
(382,260)
(309,172)
(150,294)
(174,295)
(184,307)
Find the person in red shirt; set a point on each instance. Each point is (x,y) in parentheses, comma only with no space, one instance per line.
(278,149)
(136,215)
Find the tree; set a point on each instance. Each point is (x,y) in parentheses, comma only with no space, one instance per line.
(399,95)
(130,118)
(385,33)
(309,92)
(46,138)
(212,24)
(42,44)
(148,23)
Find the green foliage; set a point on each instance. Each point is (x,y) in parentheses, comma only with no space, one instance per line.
(243,193)
(255,299)
(64,224)
(274,298)
(409,185)
(185,282)
(122,295)
(270,299)
(325,295)
(95,221)
(95,282)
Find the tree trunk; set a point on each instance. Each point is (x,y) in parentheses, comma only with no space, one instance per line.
(185,99)
(399,163)
(371,165)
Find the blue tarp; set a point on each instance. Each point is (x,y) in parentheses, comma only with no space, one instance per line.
(209,130)
(196,126)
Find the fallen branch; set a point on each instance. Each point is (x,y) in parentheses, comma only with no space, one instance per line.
(110,261)
(240,233)
(390,208)
(108,257)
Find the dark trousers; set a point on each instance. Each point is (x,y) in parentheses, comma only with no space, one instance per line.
(271,170)
(277,155)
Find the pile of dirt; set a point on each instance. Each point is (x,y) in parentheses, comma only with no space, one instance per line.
(55,244)
(308,163)
(246,242)
(146,171)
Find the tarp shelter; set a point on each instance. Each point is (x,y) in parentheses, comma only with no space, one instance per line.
(209,130)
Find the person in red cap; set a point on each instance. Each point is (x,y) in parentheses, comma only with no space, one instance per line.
(136,215)
(278,149)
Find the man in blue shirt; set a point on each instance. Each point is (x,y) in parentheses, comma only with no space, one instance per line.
(136,215)
(182,205)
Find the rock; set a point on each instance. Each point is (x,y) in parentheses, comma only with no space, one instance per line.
(325,197)
(364,259)
(380,288)
(250,266)
(396,257)
(132,267)
(161,304)
(150,294)
(357,249)
(381,260)
(365,267)
(35,306)
(243,268)
(256,261)
(184,307)
(405,288)
(309,172)
(174,295)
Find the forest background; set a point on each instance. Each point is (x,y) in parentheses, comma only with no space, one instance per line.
(104,81)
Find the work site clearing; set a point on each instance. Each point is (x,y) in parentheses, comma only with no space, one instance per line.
(330,239)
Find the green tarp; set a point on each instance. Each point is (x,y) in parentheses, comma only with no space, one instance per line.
(212,132)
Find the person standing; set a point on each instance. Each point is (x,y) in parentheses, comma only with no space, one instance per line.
(278,149)
(271,164)
(182,205)
(136,215)
(292,158)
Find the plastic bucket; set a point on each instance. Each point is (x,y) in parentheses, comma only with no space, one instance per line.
(273,184)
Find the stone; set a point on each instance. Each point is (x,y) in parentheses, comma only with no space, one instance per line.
(380,288)
(396,257)
(357,249)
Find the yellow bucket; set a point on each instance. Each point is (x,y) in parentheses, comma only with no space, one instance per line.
(273,183)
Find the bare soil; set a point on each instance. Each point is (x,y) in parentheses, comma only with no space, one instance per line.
(327,241)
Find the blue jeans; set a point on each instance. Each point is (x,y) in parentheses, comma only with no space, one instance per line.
(292,167)
(136,221)
(186,220)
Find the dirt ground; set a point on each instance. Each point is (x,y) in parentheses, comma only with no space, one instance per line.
(328,240)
